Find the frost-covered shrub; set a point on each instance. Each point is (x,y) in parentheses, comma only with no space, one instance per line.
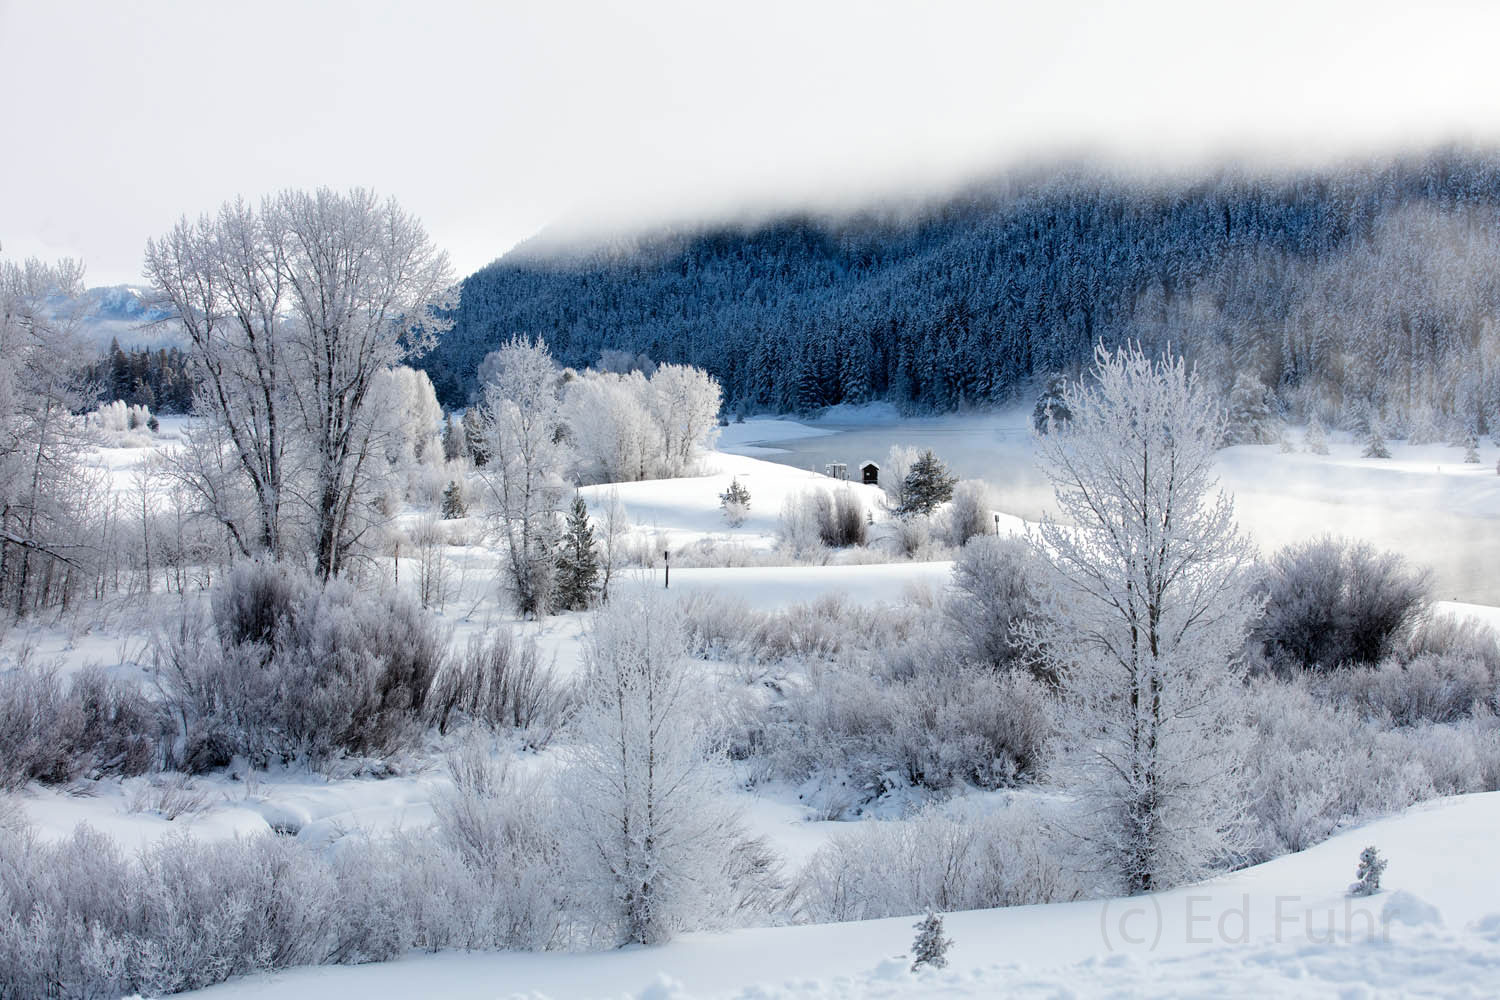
(938,725)
(1455,636)
(911,536)
(37,728)
(1332,602)
(969,514)
(255,599)
(994,590)
(653,845)
(501,680)
(934,862)
(722,626)
(54,731)
(1432,687)
(167,795)
(507,828)
(1315,764)
(816,518)
(288,668)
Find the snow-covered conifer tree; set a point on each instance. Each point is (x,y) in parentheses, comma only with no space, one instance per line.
(1144,612)
(1250,420)
(1375,446)
(1316,438)
(930,947)
(928,485)
(736,503)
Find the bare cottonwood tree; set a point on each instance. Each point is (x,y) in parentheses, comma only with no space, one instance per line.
(290,312)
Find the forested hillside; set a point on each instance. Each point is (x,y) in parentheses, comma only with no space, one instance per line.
(1346,291)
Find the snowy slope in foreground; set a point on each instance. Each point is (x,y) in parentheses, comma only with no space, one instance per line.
(1284,928)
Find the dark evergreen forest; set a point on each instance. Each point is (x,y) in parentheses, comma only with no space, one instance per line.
(1348,292)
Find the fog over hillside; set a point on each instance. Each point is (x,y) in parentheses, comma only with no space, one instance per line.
(1349,290)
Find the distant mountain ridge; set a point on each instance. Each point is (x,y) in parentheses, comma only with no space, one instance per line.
(121,312)
(1348,291)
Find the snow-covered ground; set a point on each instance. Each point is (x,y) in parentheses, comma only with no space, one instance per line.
(1284,928)
(1186,943)
(1424,502)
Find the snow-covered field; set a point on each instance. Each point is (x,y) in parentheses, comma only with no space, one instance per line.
(1264,931)
(1284,928)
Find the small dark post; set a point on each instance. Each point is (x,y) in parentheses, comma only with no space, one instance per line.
(997,524)
(666,558)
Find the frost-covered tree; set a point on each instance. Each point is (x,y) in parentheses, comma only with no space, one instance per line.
(472,426)
(42,500)
(736,503)
(1143,615)
(454,444)
(1250,420)
(577,562)
(1316,438)
(522,419)
(994,591)
(893,473)
(291,312)
(1375,446)
(624,427)
(613,526)
(408,417)
(930,947)
(454,503)
(685,405)
(1368,873)
(610,428)
(1471,449)
(655,845)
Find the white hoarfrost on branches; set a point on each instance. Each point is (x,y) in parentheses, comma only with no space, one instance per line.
(290,313)
(656,845)
(627,427)
(1144,613)
(522,421)
(46,499)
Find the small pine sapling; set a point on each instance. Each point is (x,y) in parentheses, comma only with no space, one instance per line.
(1316,438)
(1375,446)
(736,503)
(577,562)
(930,947)
(1371,867)
(1471,450)
(454,505)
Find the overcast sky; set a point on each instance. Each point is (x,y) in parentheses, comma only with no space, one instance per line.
(492,120)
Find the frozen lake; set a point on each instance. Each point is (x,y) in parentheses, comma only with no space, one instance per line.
(1424,503)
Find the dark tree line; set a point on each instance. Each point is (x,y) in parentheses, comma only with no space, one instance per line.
(156,379)
(1346,292)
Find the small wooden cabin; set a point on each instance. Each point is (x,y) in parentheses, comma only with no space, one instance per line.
(869,473)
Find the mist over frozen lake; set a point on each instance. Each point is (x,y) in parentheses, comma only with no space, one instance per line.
(1424,502)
